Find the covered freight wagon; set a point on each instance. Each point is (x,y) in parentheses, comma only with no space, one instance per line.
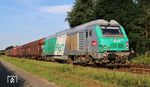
(16,51)
(32,49)
(8,52)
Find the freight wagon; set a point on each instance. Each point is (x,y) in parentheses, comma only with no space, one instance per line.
(32,49)
(8,52)
(16,51)
(98,41)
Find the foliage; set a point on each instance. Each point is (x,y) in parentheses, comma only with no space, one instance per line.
(10,47)
(144,59)
(2,51)
(77,76)
(133,15)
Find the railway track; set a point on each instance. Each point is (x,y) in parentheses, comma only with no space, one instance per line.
(139,69)
(144,69)
(133,68)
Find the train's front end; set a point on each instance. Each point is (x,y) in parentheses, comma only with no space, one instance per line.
(113,43)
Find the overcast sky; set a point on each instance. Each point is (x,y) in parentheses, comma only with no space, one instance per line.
(22,21)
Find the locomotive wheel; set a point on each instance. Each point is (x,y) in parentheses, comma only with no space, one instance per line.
(91,61)
(69,61)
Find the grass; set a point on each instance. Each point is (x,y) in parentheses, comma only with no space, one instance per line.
(64,75)
(144,59)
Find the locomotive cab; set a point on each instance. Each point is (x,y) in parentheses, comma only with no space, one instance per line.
(113,39)
(113,43)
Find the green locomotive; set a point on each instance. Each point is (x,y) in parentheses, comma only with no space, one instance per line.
(98,41)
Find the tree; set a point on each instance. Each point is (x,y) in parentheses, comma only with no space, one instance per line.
(82,12)
(133,15)
(10,47)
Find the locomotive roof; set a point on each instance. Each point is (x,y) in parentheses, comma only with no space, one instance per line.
(83,26)
(96,22)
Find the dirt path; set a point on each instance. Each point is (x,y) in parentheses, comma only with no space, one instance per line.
(25,79)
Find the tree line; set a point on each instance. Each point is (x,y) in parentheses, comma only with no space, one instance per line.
(133,15)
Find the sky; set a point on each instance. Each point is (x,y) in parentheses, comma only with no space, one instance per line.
(23,21)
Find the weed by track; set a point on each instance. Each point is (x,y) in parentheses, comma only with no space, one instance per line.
(65,75)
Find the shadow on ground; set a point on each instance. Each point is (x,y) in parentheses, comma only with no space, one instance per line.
(4,72)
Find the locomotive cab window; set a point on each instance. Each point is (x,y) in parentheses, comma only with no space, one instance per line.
(86,34)
(110,31)
(90,32)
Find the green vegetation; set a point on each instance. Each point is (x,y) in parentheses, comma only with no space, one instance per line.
(65,75)
(133,15)
(2,52)
(145,59)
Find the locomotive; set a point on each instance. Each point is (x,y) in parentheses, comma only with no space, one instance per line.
(95,42)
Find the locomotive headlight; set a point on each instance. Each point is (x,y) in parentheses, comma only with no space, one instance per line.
(105,46)
(101,47)
(94,43)
(109,48)
(127,44)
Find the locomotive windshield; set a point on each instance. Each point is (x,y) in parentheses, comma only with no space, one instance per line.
(107,31)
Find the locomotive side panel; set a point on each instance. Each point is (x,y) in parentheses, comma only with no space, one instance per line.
(72,44)
(49,46)
(60,45)
(68,43)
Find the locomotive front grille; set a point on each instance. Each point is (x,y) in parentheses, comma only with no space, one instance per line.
(120,45)
(114,46)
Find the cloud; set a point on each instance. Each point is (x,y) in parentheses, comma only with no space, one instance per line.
(57,9)
(25,1)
